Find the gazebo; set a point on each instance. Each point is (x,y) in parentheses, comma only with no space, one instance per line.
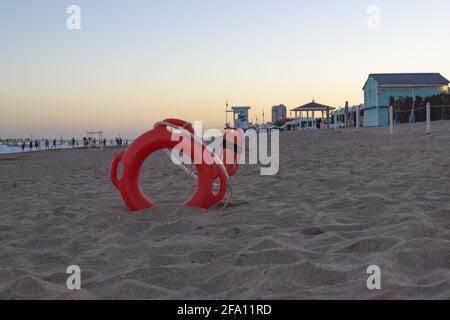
(313,107)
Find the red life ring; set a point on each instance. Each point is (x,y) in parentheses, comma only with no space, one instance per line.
(157,139)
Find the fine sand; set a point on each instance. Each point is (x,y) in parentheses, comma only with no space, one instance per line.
(341,202)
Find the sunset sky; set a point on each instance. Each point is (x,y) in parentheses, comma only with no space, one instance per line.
(139,61)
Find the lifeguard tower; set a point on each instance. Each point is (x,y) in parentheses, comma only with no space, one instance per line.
(240,117)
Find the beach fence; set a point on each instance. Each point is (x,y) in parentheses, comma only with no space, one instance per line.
(409,110)
(427,118)
(404,110)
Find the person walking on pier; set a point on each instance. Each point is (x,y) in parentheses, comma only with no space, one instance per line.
(54,144)
(31,145)
(47,144)
(23,145)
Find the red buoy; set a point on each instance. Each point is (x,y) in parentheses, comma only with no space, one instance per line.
(209,171)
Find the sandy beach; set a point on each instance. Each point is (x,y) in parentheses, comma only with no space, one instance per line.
(341,202)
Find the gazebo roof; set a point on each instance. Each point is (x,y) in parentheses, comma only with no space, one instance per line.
(313,106)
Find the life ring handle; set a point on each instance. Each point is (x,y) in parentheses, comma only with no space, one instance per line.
(114,167)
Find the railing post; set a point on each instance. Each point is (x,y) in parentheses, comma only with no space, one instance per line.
(357,118)
(391,120)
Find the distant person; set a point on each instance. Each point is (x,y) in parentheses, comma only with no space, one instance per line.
(31,145)
(54,144)
(104,142)
(36,145)
(84,142)
(23,145)
(73,142)
(47,144)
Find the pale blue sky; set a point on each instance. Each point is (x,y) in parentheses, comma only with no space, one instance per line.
(136,62)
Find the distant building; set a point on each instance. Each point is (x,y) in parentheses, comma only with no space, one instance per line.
(279,113)
(379,88)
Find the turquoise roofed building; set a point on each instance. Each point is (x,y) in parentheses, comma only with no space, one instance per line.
(379,89)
